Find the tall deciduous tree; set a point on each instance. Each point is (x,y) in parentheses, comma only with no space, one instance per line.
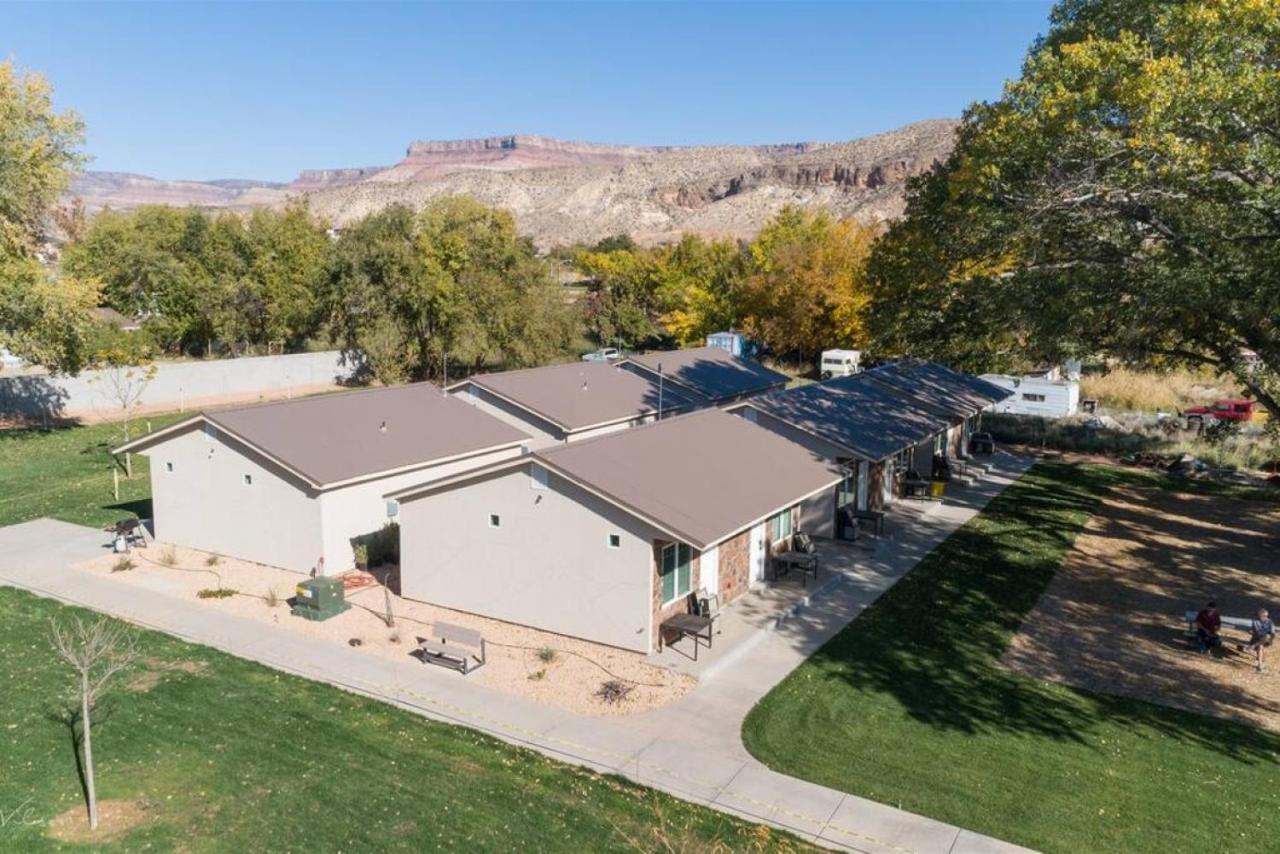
(1120,198)
(454,284)
(808,290)
(42,318)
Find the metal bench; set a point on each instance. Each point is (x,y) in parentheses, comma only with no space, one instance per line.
(454,646)
(1240,623)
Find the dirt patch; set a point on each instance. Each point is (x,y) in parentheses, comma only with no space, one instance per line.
(1112,618)
(157,668)
(116,817)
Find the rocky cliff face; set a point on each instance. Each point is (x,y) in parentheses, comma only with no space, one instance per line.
(562,191)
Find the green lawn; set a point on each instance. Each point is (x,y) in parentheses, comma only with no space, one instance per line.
(909,706)
(238,757)
(65,473)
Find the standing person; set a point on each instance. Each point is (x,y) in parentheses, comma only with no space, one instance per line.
(1209,627)
(1262,633)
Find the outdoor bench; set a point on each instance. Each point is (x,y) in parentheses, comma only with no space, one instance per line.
(454,646)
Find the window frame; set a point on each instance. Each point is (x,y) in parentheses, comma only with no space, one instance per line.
(495,520)
(246,479)
(614,541)
(676,549)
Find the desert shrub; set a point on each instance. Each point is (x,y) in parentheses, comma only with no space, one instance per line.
(538,675)
(215,593)
(169,556)
(123,564)
(614,691)
(1220,432)
(547,655)
(272,598)
(212,560)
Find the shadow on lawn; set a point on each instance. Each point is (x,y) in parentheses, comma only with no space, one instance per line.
(934,641)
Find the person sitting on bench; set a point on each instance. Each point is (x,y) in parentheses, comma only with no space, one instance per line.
(1262,633)
(1209,627)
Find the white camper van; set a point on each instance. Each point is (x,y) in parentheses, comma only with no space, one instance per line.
(839,363)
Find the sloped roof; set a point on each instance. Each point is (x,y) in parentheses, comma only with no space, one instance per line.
(869,419)
(581,394)
(710,371)
(333,438)
(703,476)
(943,388)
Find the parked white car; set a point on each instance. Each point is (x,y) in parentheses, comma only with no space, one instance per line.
(604,354)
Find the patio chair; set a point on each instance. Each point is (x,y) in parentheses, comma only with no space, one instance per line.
(802,542)
(708,605)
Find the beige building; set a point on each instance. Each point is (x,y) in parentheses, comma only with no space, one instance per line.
(708,376)
(571,402)
(290,483)
(604,538)
(874,433)
(959,397)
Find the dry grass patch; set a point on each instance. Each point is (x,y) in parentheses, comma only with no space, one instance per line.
(156,670)
(1111,619)
(116,817)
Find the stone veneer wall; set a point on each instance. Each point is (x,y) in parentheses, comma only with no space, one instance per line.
(735,567)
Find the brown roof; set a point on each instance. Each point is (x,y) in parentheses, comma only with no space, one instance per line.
(703,476)
(332,438)
(581,394)
(710,371)
(943,388)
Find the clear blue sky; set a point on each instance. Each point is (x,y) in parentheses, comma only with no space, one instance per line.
(264,90)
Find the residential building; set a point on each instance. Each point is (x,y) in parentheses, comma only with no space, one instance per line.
(570,402)
(289,483)
(876,434)
(709,376)
(960,397)
(605,538)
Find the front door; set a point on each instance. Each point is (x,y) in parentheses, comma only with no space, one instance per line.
(709,570)
(757,555)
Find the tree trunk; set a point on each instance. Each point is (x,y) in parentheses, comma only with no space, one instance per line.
(87,747)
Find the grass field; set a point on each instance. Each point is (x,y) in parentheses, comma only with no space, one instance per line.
(217,753)
(909,706)
(65,473)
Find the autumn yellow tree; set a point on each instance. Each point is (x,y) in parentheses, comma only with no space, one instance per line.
(808,287)
(42,319)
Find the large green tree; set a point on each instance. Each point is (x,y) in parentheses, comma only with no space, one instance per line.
(43,318)
(1120,199)
(453,287)
(200,278)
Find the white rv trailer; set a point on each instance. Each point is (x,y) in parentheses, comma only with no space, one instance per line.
(1037,394)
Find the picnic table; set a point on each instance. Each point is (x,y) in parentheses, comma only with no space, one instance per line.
(684,626)
(1243,624)
(804,562)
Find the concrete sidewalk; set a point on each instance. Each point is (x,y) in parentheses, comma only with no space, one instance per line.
(692,748)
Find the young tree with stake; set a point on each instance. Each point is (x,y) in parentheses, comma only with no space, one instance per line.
(96,651)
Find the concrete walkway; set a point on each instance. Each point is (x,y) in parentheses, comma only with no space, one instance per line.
(692,748)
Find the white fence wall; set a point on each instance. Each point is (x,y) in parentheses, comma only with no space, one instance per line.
(36,396)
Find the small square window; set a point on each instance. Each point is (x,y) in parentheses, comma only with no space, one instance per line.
(248,480)
(495,521)
(615,541)
(393,509)
(168,467)
(537,477)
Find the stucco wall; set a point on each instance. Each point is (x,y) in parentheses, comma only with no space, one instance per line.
(547,565)
(542,433)
(204,502)
(818,514)
(361,508)
(36,395)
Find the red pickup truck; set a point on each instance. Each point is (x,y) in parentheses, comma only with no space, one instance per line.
(1223,410)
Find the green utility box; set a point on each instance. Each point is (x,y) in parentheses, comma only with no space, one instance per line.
(319,599)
